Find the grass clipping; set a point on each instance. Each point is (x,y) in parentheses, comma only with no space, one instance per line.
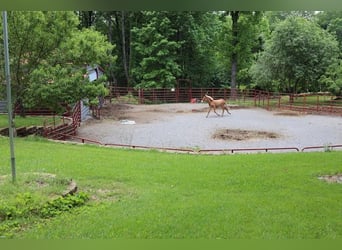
(241,135)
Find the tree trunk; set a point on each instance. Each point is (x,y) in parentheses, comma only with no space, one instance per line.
(110,37)
(234,56)
(124,55)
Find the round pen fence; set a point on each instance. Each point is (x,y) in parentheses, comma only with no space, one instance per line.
(313,103)
(325,148)
(309,103)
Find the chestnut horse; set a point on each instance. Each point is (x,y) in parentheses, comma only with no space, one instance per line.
(213,104)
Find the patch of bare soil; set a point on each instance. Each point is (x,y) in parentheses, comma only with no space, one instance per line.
(37,180)
(114,111)
(289,113)
(142,113)
(241,135)
(337,178)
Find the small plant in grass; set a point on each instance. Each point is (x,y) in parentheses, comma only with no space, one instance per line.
(62,204)
(328,148)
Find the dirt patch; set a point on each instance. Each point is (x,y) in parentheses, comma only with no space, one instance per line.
(142,113)
(337,178)
(289,113)
(114,111)
(241,135)
(40,180)
(36,180)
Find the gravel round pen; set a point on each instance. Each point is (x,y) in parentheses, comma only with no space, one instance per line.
(184,125)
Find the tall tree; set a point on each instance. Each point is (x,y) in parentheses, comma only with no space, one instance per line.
(196,32)
(155,52)
(240,44)
(332,22)
(124,48)
(234,55)
(86,18)
(297,55)
(33,37)
(117,26)
(42,58)
(332,79)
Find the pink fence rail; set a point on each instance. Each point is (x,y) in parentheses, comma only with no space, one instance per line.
(66,130)
(83,140)
(318,103)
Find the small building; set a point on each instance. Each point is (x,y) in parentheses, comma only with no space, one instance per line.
(3,107)
(93,73)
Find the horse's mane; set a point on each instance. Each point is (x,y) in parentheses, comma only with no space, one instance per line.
(208,96)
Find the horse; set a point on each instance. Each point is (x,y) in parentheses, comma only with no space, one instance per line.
(213,104)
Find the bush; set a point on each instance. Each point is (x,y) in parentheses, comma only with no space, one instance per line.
(25,206)
(63,204)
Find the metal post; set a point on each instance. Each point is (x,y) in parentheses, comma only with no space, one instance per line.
(9,98)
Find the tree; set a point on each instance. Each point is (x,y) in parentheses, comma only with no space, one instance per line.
(332,22)
(275,17)
(155,53)
(234,55)
(62,79)
(241,42)
(117,26)
(196,32)
(47,49)
(124,47)
(86,18)
(32,37)
(297,55)
(332,79)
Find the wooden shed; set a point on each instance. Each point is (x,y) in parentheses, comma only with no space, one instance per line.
(93,73)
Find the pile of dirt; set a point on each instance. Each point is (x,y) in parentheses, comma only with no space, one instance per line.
(241,135)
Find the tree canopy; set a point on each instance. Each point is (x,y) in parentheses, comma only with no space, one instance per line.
(48,58)
(288,51)
(296,56)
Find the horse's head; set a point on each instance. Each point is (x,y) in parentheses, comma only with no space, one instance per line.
(207,98)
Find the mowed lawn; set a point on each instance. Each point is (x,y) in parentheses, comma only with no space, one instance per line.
(29,121)
(154,195)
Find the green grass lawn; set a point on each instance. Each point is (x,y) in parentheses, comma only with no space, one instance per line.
(28,121)
(312,100)
(150,194)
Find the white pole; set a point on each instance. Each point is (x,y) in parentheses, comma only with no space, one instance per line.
(9,97)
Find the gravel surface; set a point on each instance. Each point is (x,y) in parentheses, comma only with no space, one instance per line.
(186,126)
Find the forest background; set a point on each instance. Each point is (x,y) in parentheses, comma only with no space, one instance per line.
(282,51)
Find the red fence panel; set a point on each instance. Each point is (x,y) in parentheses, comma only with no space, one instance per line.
(319,103)
(65,130)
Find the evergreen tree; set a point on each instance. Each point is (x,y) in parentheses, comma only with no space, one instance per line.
(155,52)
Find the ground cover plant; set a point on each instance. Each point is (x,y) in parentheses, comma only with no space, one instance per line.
(150,194)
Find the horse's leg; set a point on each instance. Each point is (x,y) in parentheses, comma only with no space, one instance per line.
(215,110)
(226,108)
(208,111)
